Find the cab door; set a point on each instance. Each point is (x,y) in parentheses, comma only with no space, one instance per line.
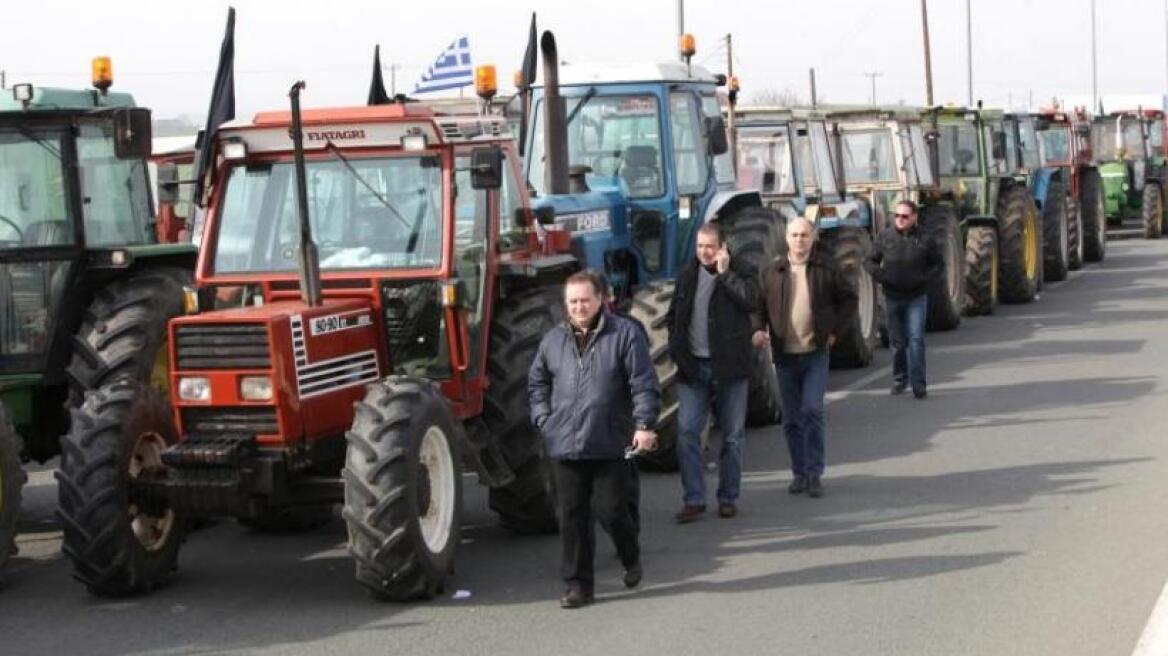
(475,212)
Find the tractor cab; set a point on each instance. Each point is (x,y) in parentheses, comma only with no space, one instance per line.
(1129,147)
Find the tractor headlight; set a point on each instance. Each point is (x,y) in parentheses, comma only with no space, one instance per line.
(255,388)
(194,388)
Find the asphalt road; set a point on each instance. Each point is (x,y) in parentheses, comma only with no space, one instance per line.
(1021,509)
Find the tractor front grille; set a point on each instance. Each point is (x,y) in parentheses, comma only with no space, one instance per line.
(222,346)
(235,420)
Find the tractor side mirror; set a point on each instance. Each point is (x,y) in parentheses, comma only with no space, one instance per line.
(999,151)
(546,215)
(716,135)
(486,168)
(132,133)
(167,191)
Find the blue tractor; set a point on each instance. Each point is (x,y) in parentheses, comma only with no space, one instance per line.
(631,159)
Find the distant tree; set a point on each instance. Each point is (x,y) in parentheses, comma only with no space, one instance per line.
(785,97)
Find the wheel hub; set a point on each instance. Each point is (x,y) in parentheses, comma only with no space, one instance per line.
(152,530)
(436,491)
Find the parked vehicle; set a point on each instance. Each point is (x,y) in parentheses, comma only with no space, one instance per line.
(1129,146)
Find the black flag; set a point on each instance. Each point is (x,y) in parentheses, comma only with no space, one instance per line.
(528,73)
(222,107)
(377,95)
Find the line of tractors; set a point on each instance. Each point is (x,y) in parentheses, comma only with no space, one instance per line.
(370,283)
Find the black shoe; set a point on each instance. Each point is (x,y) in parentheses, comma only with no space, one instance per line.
(798,486)
(633,574)
(689,513)
(920,392)
(814,487)
(898,389)
(727,510)
(575,597)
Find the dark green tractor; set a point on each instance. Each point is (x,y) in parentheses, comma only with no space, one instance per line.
(1003,230)
(1129,147)
(86,289)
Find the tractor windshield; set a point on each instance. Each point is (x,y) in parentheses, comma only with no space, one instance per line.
(33,207)
(1103,140)
(114,192)
(366,213)
(617,137)
(813,157)
(868,156)
(1055,145)
(1028,139)
(764,160)
(958,150)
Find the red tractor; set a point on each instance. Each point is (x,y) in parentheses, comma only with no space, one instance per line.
(372,287)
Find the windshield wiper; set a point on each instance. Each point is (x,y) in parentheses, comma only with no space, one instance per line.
(31,136)
(352,171)
(588,95)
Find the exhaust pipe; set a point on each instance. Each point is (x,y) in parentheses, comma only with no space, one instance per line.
(309,258)
(555,123)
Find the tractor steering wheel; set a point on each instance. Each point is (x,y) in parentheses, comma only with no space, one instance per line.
(16,228)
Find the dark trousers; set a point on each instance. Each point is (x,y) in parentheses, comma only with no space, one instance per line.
(802,385)
(588,487)
(906,331)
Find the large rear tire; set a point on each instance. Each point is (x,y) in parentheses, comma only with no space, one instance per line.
(1055,234)
(650,306)
(981,266)
(1152,210)
(763,407)
(12,479)
(856,342)
(946,292)
(403,489)
(119,544)
(528,503)
(1093,217)
(1019,244)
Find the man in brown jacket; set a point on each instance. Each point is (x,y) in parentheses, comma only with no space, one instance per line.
(805,301)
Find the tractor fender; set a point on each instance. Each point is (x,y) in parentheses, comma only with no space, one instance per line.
(1040,185)
(972,220)
(726,203)
(851,213)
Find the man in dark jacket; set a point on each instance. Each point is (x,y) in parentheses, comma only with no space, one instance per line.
(593,392)
(806,301)
(709,339)
(903,260)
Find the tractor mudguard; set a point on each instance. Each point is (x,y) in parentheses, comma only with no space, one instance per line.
(1040,185)
(726,203)
(988,220)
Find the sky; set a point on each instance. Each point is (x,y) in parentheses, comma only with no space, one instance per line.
(165,52)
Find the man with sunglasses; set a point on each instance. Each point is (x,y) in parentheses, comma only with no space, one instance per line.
(904,260)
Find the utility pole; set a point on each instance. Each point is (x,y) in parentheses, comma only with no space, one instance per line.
(393,69)
(733,101)
(814,102)
(680,23)
(928,57)
(874,75)
(3,79)
(1094,65)
(1165,38)
(969,50)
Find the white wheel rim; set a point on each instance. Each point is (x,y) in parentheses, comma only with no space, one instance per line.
(150,531)
(867,305)
(437,475)
(953,268)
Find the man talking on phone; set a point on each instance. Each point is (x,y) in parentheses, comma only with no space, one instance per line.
(709,338)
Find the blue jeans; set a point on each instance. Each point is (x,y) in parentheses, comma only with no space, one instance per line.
(803,384)
(906,331)
(694,399)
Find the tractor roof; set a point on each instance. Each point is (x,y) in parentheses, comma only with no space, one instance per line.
(590,74)
(363,126)
(777,114)
(54,99)
(878,113)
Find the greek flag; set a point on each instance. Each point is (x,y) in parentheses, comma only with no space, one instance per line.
(451,70)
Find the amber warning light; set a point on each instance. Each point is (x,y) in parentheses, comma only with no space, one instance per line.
(103,73)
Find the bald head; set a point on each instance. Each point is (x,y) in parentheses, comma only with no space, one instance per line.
(800,236)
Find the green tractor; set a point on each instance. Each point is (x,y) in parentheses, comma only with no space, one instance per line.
(1003,231)
(86,289)
(1129,146)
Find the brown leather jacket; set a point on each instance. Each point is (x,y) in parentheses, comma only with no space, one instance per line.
(833,299)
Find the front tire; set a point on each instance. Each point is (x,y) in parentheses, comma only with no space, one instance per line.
(403,489)
(981,266)
(650,306)
(1018,241)
(1074,235)
(1152,210)
(946,293)
(1056,234)
(856,342)
(1093,217)
(119,543)
(12,479)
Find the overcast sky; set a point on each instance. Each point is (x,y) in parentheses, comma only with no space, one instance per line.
(165,52)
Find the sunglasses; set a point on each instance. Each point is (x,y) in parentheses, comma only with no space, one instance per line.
(903,216)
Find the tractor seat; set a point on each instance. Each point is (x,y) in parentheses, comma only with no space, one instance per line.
(48,233)
(640,168)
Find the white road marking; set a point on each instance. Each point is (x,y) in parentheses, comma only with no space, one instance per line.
(860,383)
(1154,639)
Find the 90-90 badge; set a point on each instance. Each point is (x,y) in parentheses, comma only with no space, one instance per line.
(337,322)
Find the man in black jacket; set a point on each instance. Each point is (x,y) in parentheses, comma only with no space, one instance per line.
(903,260)
(709,339)
(593,392)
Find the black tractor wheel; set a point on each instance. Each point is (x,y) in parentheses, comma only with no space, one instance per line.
(1019,247)
(855,342)
(981,270)
(123,334)
(528,503)
(1055,234)
(289,519)
(1152,211)
(12,479)
(120,541)
(947,291)
(403,489)
(758,234)
(1093,217)
(1074,235)
(650,306)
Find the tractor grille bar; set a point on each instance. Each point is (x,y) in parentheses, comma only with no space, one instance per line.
(243,421)
(223,346)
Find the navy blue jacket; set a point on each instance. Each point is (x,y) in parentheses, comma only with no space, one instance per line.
(587,402)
